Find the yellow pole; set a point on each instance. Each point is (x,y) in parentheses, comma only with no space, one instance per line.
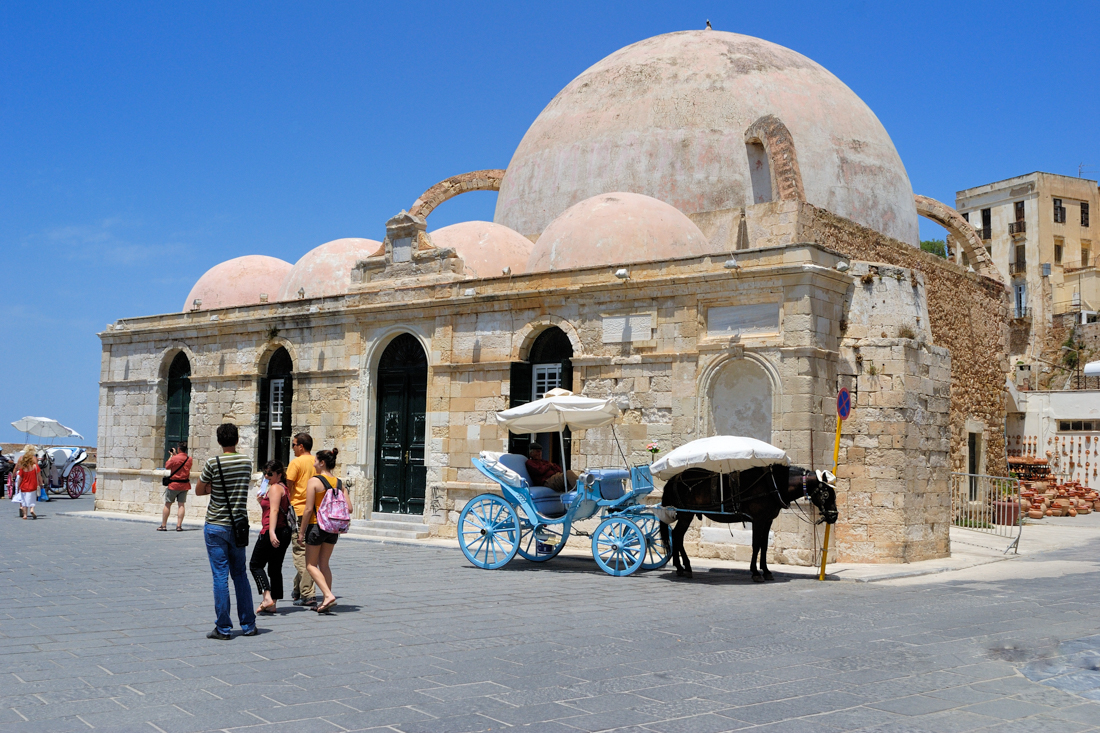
(836,464)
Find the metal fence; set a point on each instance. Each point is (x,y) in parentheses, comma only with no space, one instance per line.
(989,504)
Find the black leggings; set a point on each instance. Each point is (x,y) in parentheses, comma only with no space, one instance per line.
(264,555)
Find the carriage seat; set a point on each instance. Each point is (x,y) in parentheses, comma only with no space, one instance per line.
(547,501)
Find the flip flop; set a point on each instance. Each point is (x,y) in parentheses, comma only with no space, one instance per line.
(325,607)
(266,611)
(162,529)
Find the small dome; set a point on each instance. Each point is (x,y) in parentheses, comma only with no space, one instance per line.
(667,117)
(239,281)
(485,247)
(615,228)
(326,270)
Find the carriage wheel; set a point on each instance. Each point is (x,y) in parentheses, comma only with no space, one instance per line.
(542,544)
(618,546)
(656,551)
(488,531)
(76,482)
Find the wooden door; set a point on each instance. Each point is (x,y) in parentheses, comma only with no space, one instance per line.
(402,404)
(177,420)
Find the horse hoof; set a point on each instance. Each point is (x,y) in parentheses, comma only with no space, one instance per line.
(679,573)
(768,576)
(687,573)
(757,578)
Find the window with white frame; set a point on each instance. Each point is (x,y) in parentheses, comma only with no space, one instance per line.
(544,377)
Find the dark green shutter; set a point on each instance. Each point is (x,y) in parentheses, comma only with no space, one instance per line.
(520,394)
(282,451)
(178,403)
(264,423)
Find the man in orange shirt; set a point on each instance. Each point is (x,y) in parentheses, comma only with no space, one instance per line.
(298,474)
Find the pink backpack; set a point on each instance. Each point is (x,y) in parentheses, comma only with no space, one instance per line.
(333,515)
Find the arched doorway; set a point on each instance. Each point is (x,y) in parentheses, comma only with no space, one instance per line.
(276,398)
(740,397)
(402,402)
(177,420)
(548,366)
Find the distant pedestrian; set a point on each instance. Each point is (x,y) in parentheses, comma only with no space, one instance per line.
(225,480)
(319,543)
(298,474)
(274,538)
(179,483)
(28,479)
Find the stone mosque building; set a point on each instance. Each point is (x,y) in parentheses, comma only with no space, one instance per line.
(709,227)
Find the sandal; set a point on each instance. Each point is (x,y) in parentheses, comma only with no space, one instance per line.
(162,528)
(325,607)
(266,610)
(179,529)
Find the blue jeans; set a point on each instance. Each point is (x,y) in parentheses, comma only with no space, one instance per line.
(227,559)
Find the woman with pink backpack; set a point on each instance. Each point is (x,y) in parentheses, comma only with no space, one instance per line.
(327,516)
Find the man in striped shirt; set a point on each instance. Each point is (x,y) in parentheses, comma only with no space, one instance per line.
(225,479)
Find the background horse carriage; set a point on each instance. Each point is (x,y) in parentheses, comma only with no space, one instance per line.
(535,521)
(732,479)
(61,465)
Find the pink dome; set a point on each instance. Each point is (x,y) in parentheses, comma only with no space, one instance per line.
(239,281)
(485,247)
(615,228)
(667,117)
(326,270)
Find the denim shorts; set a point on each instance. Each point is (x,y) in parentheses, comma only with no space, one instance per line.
(317,536)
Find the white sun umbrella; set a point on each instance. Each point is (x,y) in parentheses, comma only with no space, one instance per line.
(44,427)
(558,410)
(721,454)
(1092,369)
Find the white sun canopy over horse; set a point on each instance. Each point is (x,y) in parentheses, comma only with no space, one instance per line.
(558,410)
(720,454)
(44,427)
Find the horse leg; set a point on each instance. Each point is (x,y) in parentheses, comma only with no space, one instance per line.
(756,577)
(760,539)
(682,525)
(666,537)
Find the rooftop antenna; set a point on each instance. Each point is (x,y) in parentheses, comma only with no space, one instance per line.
(1081,168)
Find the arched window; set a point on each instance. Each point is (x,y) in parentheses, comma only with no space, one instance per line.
(740,397)
(177,418)
(276,397)
(549,366)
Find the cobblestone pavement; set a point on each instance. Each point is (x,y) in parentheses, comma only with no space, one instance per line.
(104,623)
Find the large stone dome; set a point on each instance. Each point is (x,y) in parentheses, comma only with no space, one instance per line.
(326,269)
(667,116)
(240,281)
(613,229)
(485,248)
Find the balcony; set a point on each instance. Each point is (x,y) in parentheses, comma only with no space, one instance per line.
(1021,314)
(986,233)
(1017,268)
(1017,228)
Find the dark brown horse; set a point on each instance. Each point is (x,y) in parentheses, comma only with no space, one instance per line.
(756,495)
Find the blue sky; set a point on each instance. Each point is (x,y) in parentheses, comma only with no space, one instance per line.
(141,144)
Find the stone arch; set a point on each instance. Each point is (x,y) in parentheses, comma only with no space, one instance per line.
(486,180)
(164,432)
(168,355)
(786,177)
(960,229)
(727,372)
(525,337)
(268,350)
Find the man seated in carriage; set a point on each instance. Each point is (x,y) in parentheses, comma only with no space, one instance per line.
(547,473)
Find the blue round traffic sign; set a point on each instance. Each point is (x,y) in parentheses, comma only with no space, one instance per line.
(844,404)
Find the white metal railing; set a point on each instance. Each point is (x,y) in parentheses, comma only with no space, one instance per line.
(989,504)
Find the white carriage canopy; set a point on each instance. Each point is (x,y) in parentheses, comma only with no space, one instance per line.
(719,453)
(44,427)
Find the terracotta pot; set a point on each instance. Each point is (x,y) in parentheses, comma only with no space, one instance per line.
(1036,514)
(1072,512)
(1025,505)
(1049,513)
(1084,510)
(1006,512)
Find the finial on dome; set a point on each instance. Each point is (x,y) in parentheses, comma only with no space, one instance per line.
(709,28)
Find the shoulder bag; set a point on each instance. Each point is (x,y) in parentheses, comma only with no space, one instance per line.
(240,526)
(166,480)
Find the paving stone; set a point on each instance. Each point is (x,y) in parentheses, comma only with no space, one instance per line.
(427,643)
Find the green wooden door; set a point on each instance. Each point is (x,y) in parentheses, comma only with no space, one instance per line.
(401,475)
(177,420)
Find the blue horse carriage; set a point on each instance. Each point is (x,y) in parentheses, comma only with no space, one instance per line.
(535,521)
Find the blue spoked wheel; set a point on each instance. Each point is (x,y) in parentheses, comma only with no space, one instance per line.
(488,531)
(618,546)
(656,551)
(541,543)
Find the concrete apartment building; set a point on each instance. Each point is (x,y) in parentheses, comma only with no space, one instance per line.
(1042,234)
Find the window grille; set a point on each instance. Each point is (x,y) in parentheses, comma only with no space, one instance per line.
(1084,214)
(1059,212)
